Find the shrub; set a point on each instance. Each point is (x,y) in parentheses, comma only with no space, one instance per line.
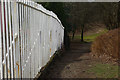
(107,44)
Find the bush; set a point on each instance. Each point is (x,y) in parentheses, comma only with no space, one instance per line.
(107,44)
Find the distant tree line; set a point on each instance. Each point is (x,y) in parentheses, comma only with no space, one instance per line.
(81,15)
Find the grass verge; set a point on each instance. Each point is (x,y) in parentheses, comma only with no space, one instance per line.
(104,70)
(90,38)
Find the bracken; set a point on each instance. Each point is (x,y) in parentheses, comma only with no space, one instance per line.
(107,44)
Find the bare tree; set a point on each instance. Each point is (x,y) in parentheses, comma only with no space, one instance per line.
(110,15)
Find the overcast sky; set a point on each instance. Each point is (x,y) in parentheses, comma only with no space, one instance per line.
(77,0)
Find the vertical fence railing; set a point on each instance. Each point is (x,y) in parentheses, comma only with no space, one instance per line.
(29,36)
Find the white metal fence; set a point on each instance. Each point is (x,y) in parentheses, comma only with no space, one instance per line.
(29,36)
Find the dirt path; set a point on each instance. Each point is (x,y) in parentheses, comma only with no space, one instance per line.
(73,63)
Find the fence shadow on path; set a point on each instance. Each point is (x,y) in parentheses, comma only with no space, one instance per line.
(68,65)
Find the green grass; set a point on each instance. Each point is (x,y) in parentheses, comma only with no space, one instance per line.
(92,37)
(104,70)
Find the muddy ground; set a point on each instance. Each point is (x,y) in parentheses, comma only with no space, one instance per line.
(73,63)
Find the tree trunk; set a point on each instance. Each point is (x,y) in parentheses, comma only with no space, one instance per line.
(118,14)
(66,40)
(73,35)
(82,33)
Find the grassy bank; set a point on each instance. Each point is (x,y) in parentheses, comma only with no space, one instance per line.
(90,38)
(104,70)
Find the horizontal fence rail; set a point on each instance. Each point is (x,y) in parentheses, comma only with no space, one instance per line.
(29,36)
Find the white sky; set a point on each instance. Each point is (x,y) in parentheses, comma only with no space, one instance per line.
(77,0)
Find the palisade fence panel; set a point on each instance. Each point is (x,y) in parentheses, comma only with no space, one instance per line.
(29,36)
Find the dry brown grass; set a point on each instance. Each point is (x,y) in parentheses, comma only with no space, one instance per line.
(107,45)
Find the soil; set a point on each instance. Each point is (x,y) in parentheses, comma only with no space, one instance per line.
(73,63)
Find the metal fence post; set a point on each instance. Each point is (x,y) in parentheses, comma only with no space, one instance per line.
(29,36)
